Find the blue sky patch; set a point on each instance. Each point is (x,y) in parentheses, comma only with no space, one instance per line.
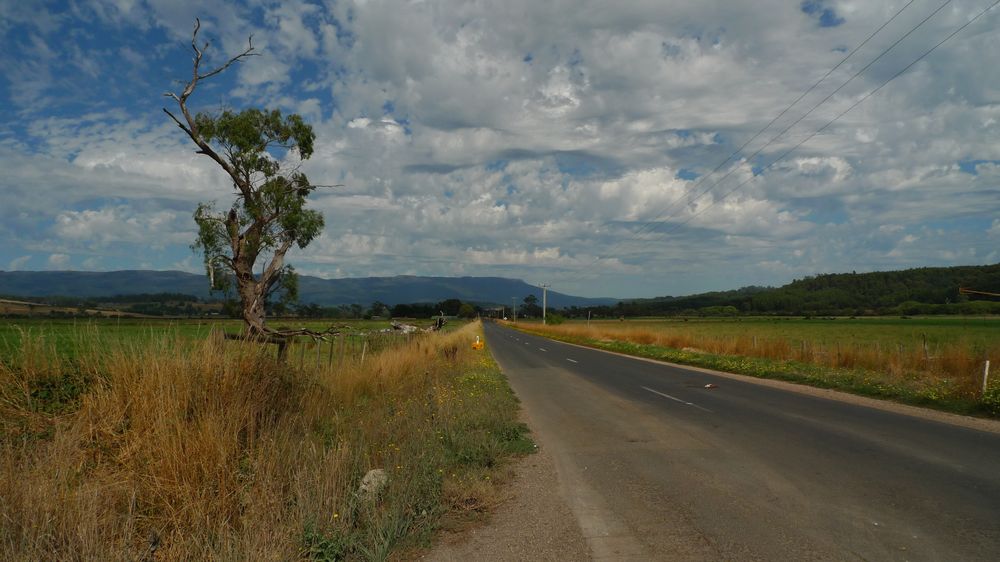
(969,165)
(827,16)
(497,165)
(581,164)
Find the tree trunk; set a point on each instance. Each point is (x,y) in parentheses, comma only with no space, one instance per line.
(252,300)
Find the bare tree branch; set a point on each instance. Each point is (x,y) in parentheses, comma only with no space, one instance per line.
(253,230)
(191,128)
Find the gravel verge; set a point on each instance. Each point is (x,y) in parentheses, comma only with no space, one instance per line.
(533,523)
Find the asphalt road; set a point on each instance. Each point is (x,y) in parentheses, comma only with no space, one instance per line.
(656,466)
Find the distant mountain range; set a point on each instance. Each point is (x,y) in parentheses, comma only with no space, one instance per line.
(403,289)
(929,290)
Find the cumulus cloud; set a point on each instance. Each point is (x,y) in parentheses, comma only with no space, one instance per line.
(575,142)
(18,262)
(58,261)
(102,227)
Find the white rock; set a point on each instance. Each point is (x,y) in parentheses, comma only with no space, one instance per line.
(373,483)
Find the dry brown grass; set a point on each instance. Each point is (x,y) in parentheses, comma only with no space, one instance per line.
(196,452)
(953,368)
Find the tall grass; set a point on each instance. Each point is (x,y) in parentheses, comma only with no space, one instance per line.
(934,374)
(182,451)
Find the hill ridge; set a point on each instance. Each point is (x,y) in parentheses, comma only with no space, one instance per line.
(400,289)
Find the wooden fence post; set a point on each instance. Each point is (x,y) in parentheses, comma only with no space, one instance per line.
(986,375)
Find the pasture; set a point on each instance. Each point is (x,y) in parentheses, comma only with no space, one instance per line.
(887,332)
(148,440)
(66,337)
(936,361)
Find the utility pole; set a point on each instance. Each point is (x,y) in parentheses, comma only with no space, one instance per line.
(545,292)
(513,301)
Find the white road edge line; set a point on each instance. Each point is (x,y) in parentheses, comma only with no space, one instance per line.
(675,399)
(572,360)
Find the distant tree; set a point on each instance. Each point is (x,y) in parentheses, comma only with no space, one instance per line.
(467,310)
(269,214)
(311,310)
(379,308)
(530,306)
(450,307)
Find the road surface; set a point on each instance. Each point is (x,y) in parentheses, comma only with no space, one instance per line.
(656,466)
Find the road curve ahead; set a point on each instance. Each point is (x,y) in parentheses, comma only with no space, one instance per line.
(657,467)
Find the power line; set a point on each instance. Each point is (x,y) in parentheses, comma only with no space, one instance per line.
(719,166)
(841,114)
(657,220)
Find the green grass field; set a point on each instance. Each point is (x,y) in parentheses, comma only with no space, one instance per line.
(67,336)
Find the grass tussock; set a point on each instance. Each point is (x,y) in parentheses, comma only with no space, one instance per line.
(174,450)
(946,375)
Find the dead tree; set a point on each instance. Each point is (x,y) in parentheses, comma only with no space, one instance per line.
(268,214)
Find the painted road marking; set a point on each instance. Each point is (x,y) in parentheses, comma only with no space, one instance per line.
(543,349)
(675,399)
(572,360)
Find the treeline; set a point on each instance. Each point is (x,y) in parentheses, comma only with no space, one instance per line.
(94,302)
(150,304)
(178,304)
(449,307)
(929,290)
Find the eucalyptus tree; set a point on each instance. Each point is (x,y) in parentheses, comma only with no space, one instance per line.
(268,214)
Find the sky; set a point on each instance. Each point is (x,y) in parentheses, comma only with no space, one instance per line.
(605,148)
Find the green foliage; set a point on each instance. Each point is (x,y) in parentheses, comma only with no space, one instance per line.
(529,307)
(991,399)
(269,213)
(247,136)
(450,307)
(718,311)
(57,393)
(923,291)
(466,310)
(554,319)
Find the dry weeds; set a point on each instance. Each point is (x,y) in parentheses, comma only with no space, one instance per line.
(181,451)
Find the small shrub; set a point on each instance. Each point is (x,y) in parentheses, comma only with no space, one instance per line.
(991,399)
(554,319)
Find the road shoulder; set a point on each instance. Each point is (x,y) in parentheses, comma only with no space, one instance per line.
(533,523)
